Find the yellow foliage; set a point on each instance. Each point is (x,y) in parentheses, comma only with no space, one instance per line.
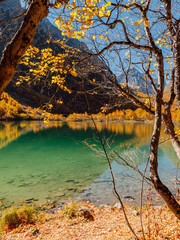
(80,19)
(44,63)
(9,108)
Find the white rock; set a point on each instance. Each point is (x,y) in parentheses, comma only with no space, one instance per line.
(117,205)
(103,206)
(157,207)
(136,213)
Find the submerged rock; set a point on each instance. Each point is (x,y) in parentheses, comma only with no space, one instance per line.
(30,200)
(130,198)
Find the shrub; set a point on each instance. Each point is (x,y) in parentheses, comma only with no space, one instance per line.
(27,214)
(13,217)
(70,210)
(10,218)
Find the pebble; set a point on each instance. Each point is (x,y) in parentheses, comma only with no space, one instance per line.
(136,213)
(117,205)
(157,207)
(103,206)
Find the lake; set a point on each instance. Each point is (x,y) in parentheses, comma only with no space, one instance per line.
(43,164)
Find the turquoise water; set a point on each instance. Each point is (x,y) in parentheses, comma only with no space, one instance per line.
(40,164)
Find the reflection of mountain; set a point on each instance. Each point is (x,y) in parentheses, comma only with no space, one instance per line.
(128,182)
(133,155)
(169,151)
(49,164)
(54,163)
(10,131)
(136,81)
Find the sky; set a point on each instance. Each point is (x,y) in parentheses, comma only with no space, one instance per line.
(117,34)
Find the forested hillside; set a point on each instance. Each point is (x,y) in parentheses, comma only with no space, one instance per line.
(42,93)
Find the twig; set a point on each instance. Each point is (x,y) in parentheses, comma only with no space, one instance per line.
(111,171)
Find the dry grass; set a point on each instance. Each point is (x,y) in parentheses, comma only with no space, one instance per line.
(13,217)
(109,223)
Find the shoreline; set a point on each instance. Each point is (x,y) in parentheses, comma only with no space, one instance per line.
(106,223)
(64,119)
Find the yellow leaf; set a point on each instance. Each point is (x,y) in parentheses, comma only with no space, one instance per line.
(137,22)
(138,36)
(127,53)
(146,22)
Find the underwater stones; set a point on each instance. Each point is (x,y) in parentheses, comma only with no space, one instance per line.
(10,181)
(88,194)
(30,200)
(60,195)
(72,189)
(130,198)
(72,180)
(24,185)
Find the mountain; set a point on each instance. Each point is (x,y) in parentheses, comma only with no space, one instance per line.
(136,81)
(40,93)
(8,9)
(45,31)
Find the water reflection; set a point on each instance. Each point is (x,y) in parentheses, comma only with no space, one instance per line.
(10,131)
(41,162)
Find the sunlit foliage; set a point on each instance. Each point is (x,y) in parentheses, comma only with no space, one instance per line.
(11,109)
(44,63)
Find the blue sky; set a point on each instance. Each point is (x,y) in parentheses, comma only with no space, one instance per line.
(117,34)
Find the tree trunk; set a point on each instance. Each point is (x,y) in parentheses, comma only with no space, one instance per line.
(170,130)
(162,190)
(14,51)
(177,66)
(174,33)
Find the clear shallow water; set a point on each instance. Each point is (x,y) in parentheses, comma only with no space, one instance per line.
(40,163)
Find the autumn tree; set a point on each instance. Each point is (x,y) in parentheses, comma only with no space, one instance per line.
(35,12)
(145,34)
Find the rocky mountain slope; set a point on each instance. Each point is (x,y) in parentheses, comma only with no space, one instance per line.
(40,94)
(136,81)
